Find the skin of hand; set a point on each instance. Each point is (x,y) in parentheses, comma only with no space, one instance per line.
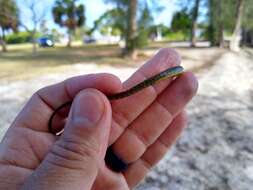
(141,128)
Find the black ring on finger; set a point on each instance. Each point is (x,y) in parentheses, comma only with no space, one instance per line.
(114,162)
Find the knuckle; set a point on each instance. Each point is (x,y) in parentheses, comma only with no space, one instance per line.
(170,55)
(69,155)
(72,153)
(191,84)
(83,149)
(184,118)
(167,51)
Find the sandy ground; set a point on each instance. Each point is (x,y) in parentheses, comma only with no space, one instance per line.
(215,152)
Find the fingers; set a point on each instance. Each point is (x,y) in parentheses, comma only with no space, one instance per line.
(145,130)
(128,109)
(36,113)
(60,93)
(74,160)
(139,169)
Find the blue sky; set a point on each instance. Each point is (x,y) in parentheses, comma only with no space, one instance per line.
(94,8)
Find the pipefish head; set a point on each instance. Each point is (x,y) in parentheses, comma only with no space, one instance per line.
(169,73)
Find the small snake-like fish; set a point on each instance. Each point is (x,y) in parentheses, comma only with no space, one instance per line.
(113,161)
(168,73)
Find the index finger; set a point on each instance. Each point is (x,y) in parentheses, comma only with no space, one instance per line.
(37,111)
(126,110)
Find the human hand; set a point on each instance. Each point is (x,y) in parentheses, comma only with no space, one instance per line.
(141,128)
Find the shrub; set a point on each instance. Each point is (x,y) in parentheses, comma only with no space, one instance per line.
(18,38)
(177,36)
(142,38)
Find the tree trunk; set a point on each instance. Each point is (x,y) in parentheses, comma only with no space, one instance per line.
(130,49)
(221,35)
(69,38)
(221,25)
(3,44)
(2,41)
(211,36)
(194,23)
(236,37)
(34,44)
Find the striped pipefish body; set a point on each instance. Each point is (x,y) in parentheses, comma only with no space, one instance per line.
(166,74)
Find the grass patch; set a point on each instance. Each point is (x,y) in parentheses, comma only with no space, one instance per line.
(19,62)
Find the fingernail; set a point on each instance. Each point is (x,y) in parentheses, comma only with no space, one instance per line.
(88,108)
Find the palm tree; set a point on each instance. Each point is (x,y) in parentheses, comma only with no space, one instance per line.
(70,15)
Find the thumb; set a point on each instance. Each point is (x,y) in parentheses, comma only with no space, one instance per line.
(74,160)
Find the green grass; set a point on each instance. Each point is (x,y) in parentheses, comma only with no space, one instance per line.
(59,55)
(19,62)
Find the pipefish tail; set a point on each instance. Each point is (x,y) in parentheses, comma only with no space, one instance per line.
(166,74)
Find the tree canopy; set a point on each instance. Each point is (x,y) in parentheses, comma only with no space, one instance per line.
(9,19)
(181,21)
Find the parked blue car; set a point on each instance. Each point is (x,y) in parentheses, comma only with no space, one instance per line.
(45,42)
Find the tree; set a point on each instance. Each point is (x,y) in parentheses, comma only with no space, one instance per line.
(247,25)
(181,22)
(113,19)
(221,16)
(127,9)
(134,22)
(131,34)
(195,13)
(192,8)
(220,25)
(216,28)
(37,12)
(8,19)
(236,37)
(67,13)
(145,27)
